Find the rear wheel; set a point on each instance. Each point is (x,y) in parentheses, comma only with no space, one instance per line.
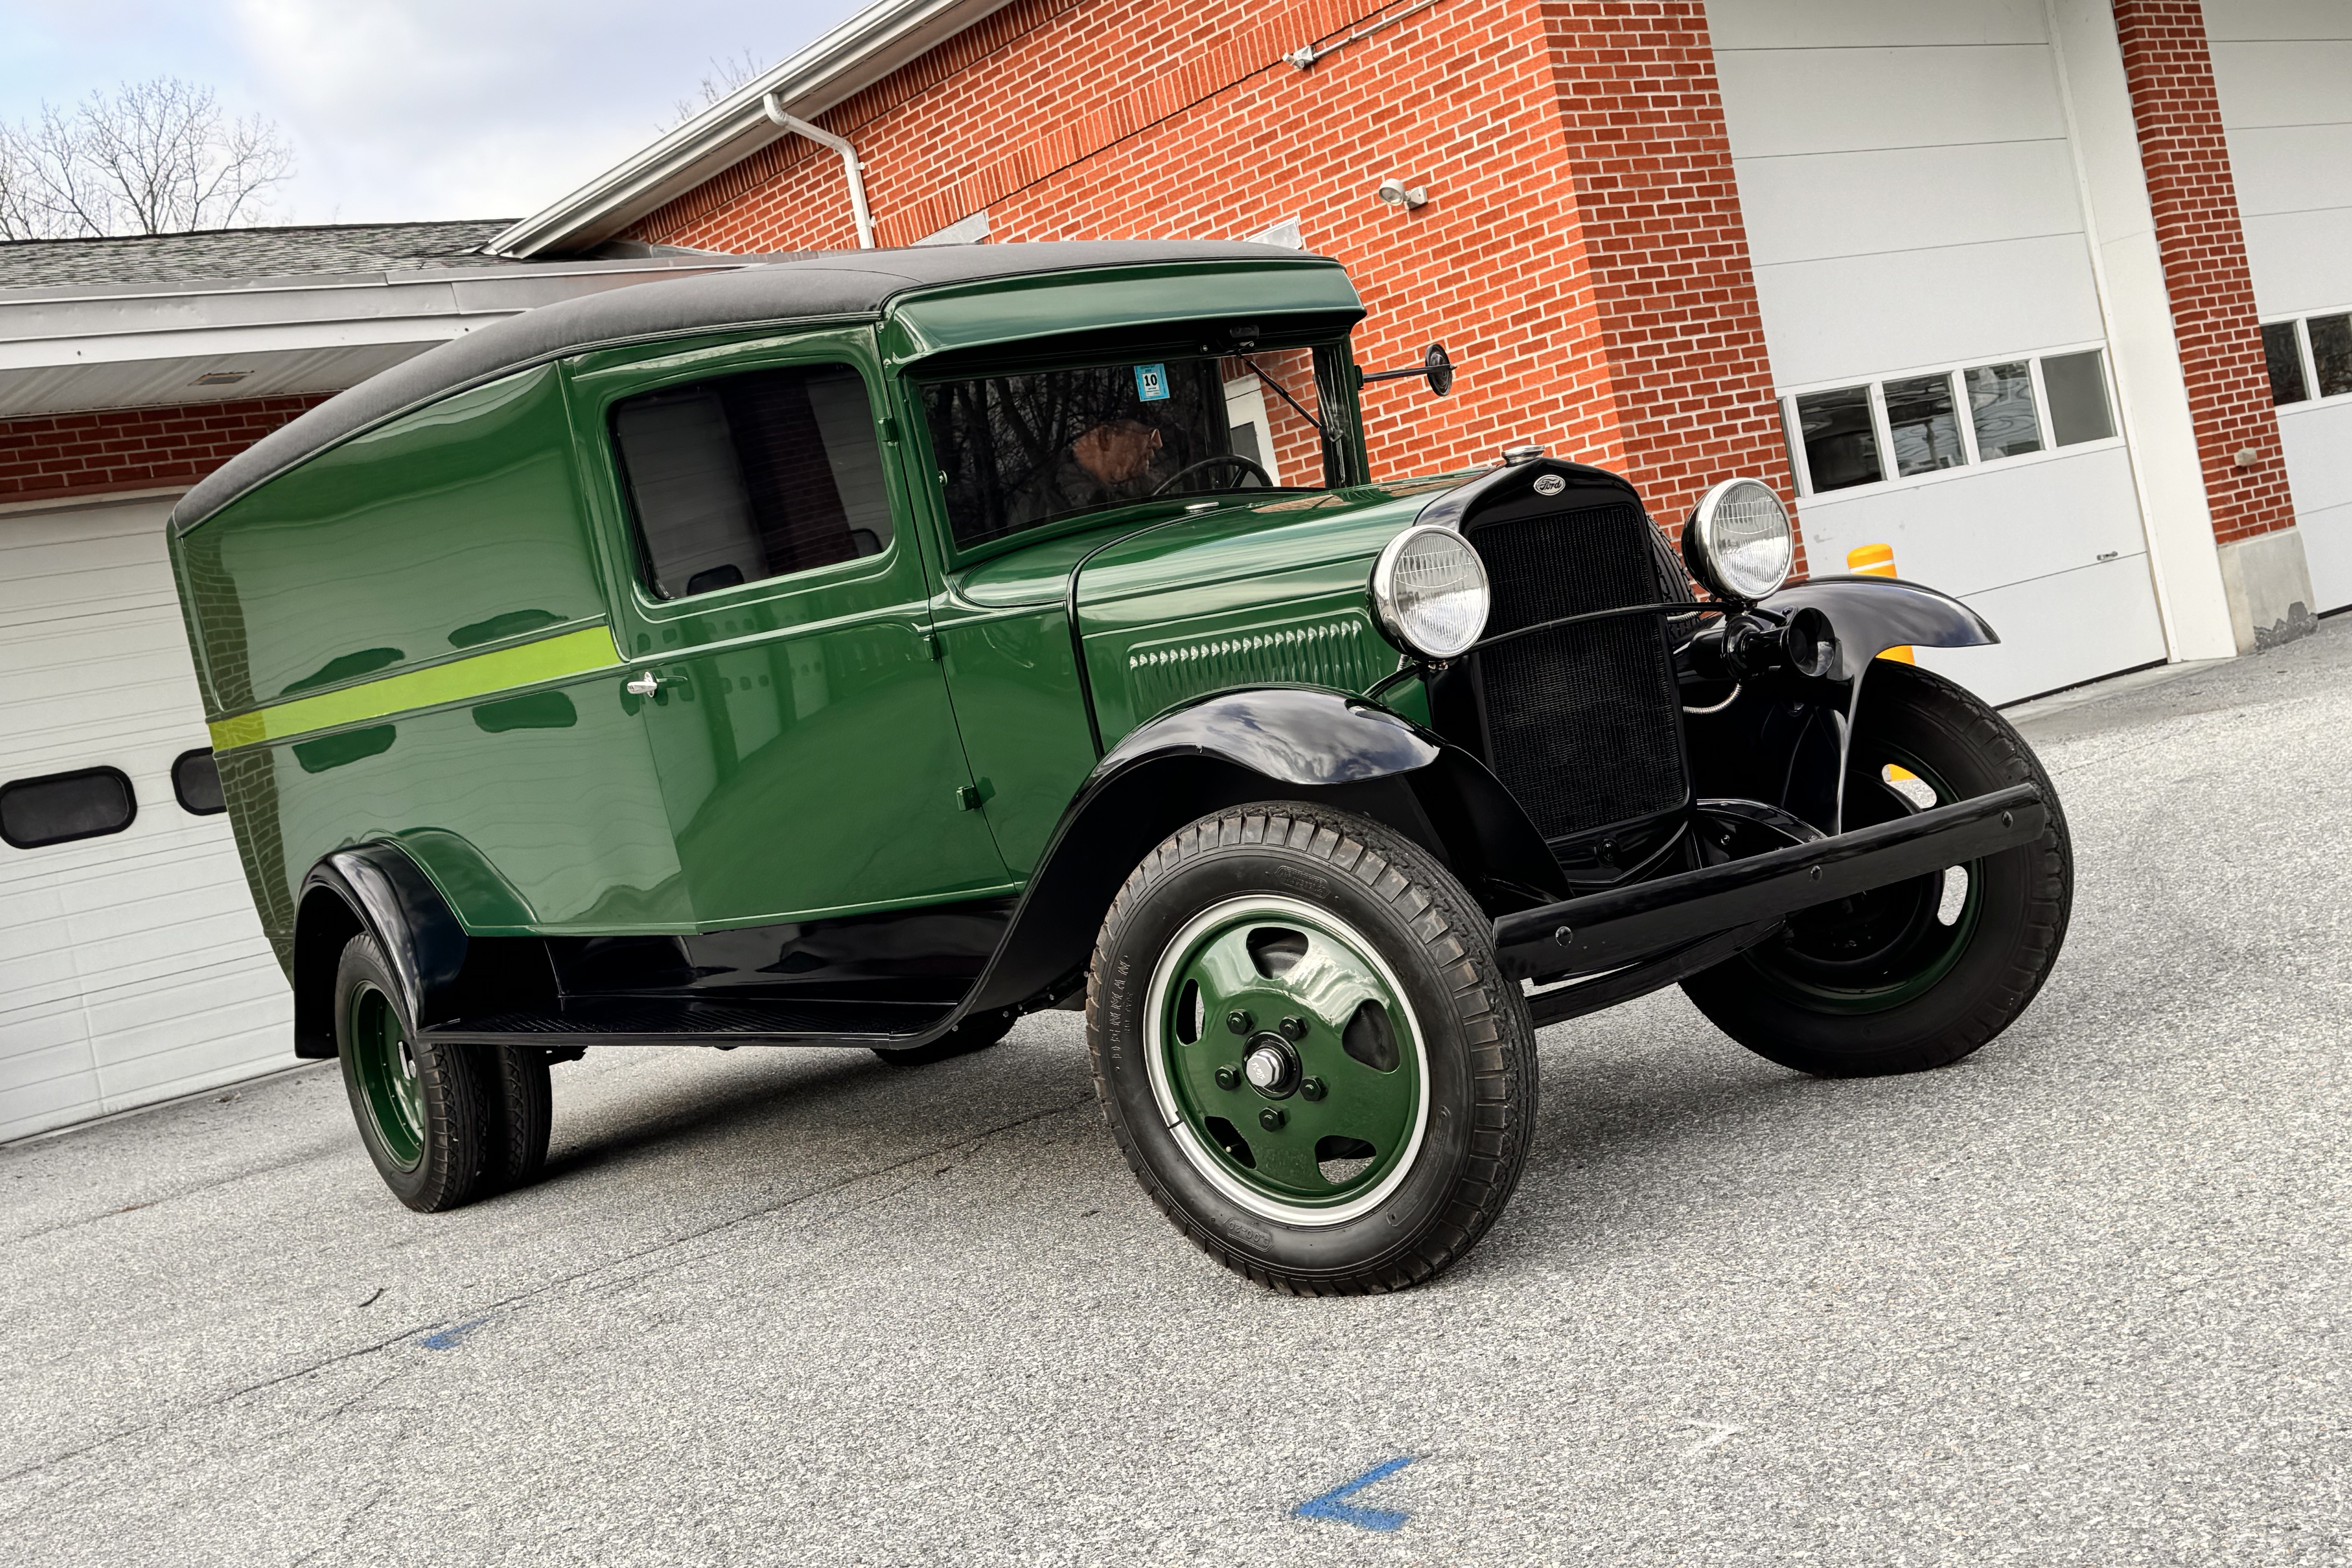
(1305,1048)
(1920,974)
(424,1110)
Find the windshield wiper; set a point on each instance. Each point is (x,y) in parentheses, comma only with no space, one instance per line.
(1283,393)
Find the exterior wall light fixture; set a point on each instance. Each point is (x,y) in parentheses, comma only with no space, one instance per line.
(1397,194)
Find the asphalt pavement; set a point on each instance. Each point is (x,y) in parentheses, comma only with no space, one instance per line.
(2080,1300)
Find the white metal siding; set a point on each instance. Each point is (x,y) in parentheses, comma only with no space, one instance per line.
(1912,204)
(132,967)
(2284,71)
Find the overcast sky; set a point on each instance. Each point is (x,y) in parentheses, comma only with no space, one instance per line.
(413,109)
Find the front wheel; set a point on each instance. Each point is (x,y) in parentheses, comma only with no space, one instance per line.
(1306,1050)
(1920,974)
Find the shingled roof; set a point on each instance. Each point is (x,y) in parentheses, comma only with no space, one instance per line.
(208,255)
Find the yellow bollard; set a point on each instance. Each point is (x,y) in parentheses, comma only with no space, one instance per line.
(1877,560)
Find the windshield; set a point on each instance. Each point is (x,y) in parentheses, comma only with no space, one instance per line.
(1018,451)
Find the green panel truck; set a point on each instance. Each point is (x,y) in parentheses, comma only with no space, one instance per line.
(869,648)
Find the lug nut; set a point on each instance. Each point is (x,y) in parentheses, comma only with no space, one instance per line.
(1240,1022)
(1312,1088)
(1294,1028)
(1229,1078)
(1272,1119)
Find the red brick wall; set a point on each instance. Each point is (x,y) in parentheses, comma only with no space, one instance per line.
(64,454)
(1547,135)
(2195,200)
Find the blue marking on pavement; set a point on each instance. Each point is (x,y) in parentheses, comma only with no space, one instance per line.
(446,1340)
(1328,1505)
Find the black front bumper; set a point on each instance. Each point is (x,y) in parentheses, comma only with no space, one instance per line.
(1626,925)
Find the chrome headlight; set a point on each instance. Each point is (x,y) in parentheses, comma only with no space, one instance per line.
(1430,593)
(1738,543)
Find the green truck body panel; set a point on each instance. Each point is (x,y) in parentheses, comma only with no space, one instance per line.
(427,631)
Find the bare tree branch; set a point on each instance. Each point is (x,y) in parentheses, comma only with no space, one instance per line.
(154,157)
(723,77)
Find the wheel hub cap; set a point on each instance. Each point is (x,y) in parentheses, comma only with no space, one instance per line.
(1270,1067)
(1326,1031)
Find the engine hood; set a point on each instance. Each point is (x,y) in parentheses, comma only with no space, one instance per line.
(1208,552)
(1169,609)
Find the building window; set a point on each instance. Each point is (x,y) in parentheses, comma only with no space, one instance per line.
(1925,432)
(2331,353)
(2077,386)
(195,780)
(58,809)
(2283,356)
(745,477)
(2002,407)
(1950,418)
(1841,441)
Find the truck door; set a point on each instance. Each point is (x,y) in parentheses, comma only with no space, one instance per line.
(777,623)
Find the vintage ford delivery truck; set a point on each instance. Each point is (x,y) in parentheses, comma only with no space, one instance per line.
(866,649)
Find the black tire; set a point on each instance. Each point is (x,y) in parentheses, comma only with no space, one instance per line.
(433,1149)
(976,1033)
(1479,1089)
(1883,983)
(521,1115)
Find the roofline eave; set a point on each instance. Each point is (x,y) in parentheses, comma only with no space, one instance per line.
(855,55)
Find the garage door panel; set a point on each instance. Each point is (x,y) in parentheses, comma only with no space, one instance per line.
(1857,204)
(1859,317)
(2293,169)
(2298,260)
(38,1106)
(1782,102)
(62,1070)
(85,566)
(207,1047)
(2232,20)
(2296,82)
(1782,24)
(2317,440)
(2058,631)
(141,947)
(1987,527)
(2327,550)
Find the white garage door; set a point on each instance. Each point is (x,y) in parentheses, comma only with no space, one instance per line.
(2283,70)
(1934,325)
(132,965)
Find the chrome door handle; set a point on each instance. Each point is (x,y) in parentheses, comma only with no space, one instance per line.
(644,685)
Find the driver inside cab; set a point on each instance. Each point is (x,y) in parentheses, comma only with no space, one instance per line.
(1105,465)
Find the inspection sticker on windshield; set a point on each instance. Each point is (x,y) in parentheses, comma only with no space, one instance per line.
(1151,383)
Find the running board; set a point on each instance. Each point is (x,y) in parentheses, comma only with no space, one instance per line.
(699,1021)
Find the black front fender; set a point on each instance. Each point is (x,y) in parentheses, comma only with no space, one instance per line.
(1281,743)
(1783,740)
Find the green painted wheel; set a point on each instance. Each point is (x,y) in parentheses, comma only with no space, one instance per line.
(384,1063)
(1285,1060)
(1892,945)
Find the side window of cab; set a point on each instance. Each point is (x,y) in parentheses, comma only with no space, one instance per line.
(747,477)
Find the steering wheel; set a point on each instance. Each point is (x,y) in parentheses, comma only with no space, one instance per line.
(1209,462)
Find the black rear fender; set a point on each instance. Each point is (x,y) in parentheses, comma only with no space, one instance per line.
(1270,743)
(442,972)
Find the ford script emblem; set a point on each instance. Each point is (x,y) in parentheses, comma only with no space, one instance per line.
(1549,484)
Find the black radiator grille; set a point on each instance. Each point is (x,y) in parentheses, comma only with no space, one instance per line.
(1583,723)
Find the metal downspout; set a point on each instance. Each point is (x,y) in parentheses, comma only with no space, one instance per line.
(849,167)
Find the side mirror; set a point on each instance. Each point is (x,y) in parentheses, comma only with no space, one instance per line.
(1436,364)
